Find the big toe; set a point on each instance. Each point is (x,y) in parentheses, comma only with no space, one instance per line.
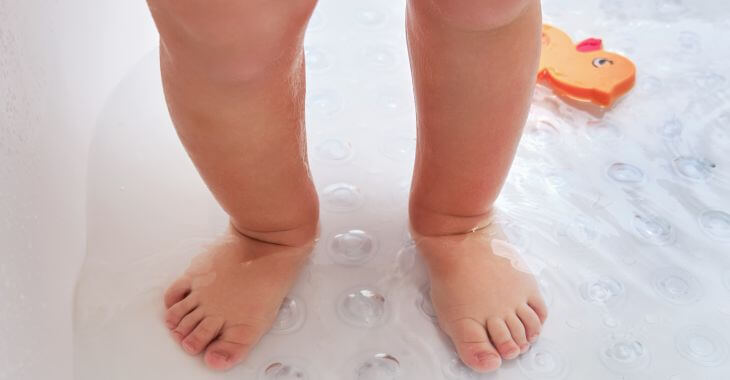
(473,346)
(231,347)
(222,355)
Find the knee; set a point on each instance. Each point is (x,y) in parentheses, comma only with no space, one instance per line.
(478,15)
(233,40)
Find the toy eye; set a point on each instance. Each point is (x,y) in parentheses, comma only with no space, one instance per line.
(598,62)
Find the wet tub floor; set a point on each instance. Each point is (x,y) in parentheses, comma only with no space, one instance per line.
(625,216)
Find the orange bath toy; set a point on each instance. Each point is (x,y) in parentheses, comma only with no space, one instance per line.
(584,71)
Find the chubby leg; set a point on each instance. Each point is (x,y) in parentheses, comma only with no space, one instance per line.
(233,75)
(474,65)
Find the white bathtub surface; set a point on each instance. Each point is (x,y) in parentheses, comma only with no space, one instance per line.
(625,217)
(59,61)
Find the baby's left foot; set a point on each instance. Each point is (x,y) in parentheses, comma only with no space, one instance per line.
(483,295)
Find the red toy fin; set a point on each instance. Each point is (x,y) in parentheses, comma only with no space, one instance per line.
(590,44)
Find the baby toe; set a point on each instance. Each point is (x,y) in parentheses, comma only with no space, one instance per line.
(177,291)
(517,329)
(473,346)
(538,305)
(531,321)
(178,311)
(203,333)
(187,324)
(501,338)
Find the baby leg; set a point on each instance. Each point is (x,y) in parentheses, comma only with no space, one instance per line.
(474,65)
(233,75)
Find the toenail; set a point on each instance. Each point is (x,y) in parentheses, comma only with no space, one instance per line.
(532,338)
(170,325)
(219,356)
(188,347)
(176,335)
(486,357)
(508,348)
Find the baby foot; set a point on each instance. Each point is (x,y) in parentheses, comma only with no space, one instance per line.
(230,295)
(485,299)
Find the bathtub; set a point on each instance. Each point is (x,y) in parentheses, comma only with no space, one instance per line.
(624,215)
(59,61)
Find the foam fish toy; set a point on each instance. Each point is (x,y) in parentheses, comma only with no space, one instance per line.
(583,71)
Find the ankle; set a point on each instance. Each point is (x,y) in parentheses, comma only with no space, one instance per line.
(426,221)
(291,219)
(294,236)
(296,228)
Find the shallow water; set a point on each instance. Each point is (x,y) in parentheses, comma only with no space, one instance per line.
(625,216)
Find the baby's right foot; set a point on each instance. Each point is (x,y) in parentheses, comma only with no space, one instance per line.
(230,295)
